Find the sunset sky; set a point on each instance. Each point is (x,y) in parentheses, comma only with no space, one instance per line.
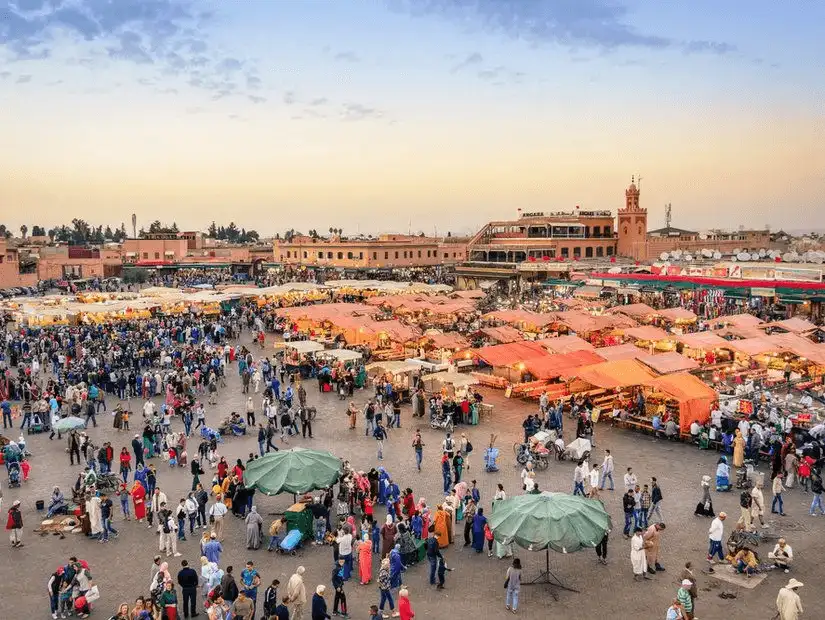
(396,115)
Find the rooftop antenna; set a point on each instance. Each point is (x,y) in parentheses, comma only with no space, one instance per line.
(667,215)
(639,185)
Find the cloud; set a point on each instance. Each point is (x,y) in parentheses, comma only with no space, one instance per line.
(289,97)
(24,79)
(5,75)
(257,99)
(708,47)
(468,61)
(359,112)
(347,56)
(319,101)
(582,23)
(163,33)
(253,82)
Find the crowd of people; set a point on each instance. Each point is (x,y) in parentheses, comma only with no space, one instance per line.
(51,374)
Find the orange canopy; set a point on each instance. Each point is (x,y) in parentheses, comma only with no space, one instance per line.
(566,344)
(510,354)
(618,374)
(677,314)
(666,363)
(647,332)
(637,311)
(800,346)
(795,325)
(448,341)
(620,352)
(522,317)
(561,364)
(503,334)
(702,340)
(737,320)
(754,346)
(695,397)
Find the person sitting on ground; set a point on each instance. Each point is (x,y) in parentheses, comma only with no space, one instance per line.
(782,555)
(745,561)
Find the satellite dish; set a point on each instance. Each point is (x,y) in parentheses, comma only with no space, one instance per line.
(614,270)
(737,250)
(733,259)
(717,255)
(743,256)
(788,257)
(664,256)
(703,236)
(755,256)
(707,253)
(763,253)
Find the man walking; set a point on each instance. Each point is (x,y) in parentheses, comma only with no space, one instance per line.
(418,447)
(380,435)
(656,501)
(715,534)
(188,582)
(607,470)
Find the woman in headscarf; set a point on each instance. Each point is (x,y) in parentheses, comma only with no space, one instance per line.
(209,571)
(479,521)
(396,567)
(388,531)
(738,449)
(365,561)
(705,506)
(722,475)
(58,503)
(405,539)
(139,498)
(441,522)
(459,492)
(95,519)
(254,523)
(164,570)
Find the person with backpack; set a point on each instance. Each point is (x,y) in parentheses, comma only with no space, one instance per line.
(418,447)
(380,435)
(465,447)
(816,489)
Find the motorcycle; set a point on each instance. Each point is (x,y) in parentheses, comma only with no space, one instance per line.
(444,423)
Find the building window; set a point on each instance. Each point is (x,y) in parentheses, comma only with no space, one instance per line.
(329,255)
(419,253)
(375,256)
(597,231)
(577,251)
(610,250)
(320,255)
(340,255)
(305,254)
(146,255)
(607,232)
(453,254)
(588,252)
(157,255)
(386,255)
(288,254)
(396,255)
(405,255)
(599,251)
(349,255)
(429,253)
(565,252)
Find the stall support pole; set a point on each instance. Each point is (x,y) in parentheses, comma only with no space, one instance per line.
(547,577)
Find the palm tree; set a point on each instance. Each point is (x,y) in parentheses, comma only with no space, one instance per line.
(23,230)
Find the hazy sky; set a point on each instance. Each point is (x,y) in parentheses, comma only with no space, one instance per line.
(396,114)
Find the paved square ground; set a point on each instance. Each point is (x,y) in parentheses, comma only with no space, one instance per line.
(474,588)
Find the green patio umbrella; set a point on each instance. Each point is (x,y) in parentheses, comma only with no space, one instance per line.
(69,423)
(558,521)
(293,471)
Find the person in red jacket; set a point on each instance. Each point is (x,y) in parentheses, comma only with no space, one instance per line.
(125,464)
(404,608)
(14,525)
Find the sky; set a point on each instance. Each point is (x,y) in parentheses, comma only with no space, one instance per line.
(410,115)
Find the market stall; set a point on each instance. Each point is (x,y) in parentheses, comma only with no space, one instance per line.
(649,337)
(639,312)
(565,344)
(686,398)
(398,373)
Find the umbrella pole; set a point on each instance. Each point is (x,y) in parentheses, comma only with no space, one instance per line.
(549,578)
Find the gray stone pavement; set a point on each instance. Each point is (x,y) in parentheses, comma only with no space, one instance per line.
(121,567)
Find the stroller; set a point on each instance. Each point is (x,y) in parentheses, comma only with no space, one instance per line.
(14,474)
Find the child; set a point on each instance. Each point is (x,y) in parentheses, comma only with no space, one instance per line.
(374,615)
(376,536)
(124,418)
(173,460)
(804,472)
(123,494)
(24,465)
